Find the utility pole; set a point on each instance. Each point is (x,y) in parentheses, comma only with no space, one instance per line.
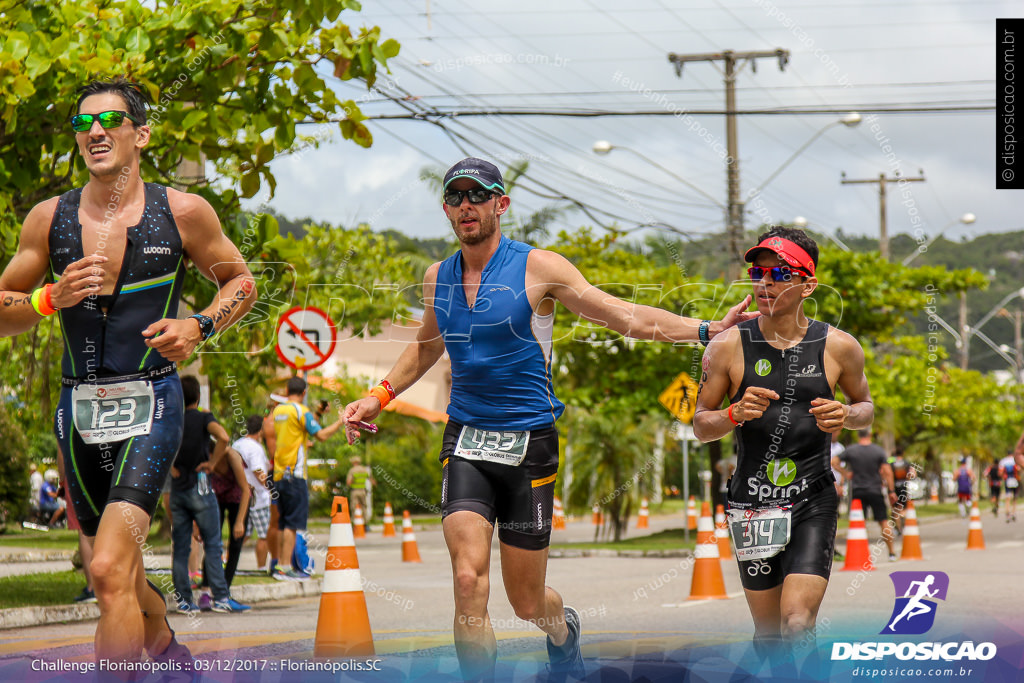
(734,217)
(965,333)
(883,181)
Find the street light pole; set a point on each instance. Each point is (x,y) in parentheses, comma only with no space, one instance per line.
(966,219)
(604,147)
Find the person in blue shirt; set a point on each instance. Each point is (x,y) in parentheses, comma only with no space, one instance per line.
(491,308)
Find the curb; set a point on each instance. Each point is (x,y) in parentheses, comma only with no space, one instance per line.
(21,617)
(36,556)
(605,552)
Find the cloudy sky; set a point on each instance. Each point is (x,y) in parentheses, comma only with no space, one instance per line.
(590,55)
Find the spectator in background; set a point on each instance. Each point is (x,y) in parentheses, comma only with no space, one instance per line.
(995,484)
(227,478)
(257,469)
(1010,469)
(902,472)
(48,498)
(869,471)
(35,482)
(359,480)
(192,500)
(964,487)
(293,424)
(270,442)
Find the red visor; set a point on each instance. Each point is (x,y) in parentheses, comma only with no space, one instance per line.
(790,252)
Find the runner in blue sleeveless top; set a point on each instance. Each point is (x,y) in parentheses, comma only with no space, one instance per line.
(491,307)
(778,374)
(114,253)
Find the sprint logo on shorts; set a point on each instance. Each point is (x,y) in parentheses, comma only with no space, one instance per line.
(913,614)
(782,473)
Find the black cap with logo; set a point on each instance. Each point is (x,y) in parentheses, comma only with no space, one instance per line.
(483,172)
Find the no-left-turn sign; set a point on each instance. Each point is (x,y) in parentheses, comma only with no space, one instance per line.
(305,338)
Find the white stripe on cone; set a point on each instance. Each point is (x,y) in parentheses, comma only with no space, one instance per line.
(408,536)
(706,551)
(911,531)
(341,535)
(705,524)
(856,515)
(974,525)
(342,581)
(857,535)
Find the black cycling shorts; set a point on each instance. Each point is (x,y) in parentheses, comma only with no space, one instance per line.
(133,470)
(810,549)
(519,498)
(874,501)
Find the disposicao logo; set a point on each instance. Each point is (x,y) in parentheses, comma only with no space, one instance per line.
(916,595)
(914,614)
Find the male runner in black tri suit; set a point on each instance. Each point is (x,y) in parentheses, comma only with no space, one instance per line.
(779,372)
(115,251)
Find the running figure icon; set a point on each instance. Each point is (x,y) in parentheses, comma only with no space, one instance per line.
(916,605)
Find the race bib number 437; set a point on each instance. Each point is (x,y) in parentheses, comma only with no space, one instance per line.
(105,413)
(504,448)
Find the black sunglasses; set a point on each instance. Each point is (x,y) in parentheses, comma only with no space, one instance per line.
(476,196)
(779,273)
(108,119)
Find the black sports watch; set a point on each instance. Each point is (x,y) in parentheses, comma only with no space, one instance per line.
(205,325)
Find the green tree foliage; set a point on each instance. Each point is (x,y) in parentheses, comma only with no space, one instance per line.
(14,458)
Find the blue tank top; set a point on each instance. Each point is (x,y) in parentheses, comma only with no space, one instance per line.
(103,334)
(500,349)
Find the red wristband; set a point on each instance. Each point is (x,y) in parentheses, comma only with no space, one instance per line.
(390,389)
(733,420)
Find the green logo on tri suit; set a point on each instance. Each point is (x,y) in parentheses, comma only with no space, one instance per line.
(782,471)
(763,367)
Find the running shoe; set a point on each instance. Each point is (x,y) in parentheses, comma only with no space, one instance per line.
(85,596)
(892,557)
(186,606)
(296,575)
(205,602)
(566,659)
(279,574)
(230,605)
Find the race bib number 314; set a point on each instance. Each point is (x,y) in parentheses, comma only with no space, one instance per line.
(504,448)
(105,413)
(760,534)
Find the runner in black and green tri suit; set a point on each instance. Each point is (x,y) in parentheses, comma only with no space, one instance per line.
(778,373)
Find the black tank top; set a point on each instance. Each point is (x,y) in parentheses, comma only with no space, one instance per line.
(103,334)
(782,452)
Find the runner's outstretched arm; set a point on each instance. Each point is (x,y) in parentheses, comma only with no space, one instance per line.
(566,283)
(418,357)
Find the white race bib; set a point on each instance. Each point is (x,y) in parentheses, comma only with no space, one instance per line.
(503,448)
(760,534)
(105,413)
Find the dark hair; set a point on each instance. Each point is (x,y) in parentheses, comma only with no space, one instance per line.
(136,100)
(796,236)
(863,433)
(190,389)
(254,424)
(296,385)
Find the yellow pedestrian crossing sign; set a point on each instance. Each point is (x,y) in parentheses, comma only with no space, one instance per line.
(680,398)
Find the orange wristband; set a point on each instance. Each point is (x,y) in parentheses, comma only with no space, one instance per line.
(731,419)
(381,394)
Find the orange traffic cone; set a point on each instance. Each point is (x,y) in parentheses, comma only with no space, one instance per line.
(410,551)
(598,515)
(722,532)
(641,520)
(975,539)
(708,582)
(389,521)
(691,514)
(911,535)
(343,625)
(358,524)
(858,555)
(558,515)
(934,497)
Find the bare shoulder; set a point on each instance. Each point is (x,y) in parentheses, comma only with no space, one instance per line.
(544,262)
(842,343)
(723,347)
(430,277)
(39,218)
(190,210)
